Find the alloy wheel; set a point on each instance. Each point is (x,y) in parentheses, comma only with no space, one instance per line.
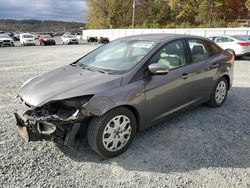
(117,133)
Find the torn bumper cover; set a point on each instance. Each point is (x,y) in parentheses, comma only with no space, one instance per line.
(55,121)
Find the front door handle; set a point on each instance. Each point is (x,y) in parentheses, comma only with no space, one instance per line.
(185,76)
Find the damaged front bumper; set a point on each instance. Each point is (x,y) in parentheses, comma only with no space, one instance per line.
(48,127)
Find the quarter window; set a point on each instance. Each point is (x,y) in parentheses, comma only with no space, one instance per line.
(171,55)
(198,49)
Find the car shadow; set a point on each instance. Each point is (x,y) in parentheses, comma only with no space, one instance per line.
(201,137)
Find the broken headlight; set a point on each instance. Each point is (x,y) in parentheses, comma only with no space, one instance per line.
(63,109)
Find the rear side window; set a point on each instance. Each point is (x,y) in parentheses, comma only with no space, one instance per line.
(214,49)
(199,49)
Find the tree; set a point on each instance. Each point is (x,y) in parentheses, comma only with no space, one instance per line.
(183,10)
(248,5)
(109,13)
(159,13)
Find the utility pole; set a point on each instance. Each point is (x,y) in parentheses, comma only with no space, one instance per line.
(133,17)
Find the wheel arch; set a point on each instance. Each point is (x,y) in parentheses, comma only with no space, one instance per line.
(228,80)
(136,114)
(229,49)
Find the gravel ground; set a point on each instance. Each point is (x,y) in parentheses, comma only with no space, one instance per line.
(201,147)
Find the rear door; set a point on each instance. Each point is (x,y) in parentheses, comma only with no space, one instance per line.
(205,65)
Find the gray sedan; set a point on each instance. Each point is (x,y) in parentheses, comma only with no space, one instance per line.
(121,88)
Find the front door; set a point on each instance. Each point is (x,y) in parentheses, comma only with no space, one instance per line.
(168,93)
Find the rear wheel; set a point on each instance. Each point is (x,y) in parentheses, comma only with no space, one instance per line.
(111,134)
(219,93)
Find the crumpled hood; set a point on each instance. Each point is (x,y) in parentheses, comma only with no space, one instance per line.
(66,82)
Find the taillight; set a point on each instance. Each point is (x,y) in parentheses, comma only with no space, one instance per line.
(231,57)
(244,43)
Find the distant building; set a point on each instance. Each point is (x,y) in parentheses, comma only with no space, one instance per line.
(243,22)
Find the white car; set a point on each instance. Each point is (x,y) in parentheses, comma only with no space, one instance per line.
(27,39)
(5,40)
(69,39)
(238,45)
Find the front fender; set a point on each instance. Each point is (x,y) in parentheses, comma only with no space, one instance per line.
(128,95)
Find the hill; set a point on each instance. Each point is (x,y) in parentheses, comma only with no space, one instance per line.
(39,26)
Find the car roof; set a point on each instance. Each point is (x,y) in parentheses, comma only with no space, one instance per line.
(160,37)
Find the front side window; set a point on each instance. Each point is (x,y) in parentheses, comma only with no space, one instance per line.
(171,55)
(118,56)
(198,49)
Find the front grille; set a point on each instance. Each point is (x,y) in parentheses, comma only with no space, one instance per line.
(6,41)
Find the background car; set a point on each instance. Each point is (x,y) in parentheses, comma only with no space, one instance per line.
(246,37)
(16,36)
(46,40)
(6,40)
(27,39)
(238,45)
(69,39)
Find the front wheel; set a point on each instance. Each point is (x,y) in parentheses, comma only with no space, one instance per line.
(111,134)
(219,93)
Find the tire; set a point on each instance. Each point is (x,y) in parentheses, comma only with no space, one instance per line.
(239,57)
(99,128)
(217,100)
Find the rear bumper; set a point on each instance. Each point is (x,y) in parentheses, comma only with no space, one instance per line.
(244,51)
(73,42)
(49,42)
(29,43)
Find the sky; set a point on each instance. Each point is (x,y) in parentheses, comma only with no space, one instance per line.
(65,10)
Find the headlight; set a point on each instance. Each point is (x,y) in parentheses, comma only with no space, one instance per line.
(63,108)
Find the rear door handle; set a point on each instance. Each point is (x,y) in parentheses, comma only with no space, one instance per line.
(215,65)
(185,76)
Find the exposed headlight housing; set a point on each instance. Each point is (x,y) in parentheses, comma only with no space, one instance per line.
(63,109)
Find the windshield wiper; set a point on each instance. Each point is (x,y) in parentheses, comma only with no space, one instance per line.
(105,72)
(97,70)
(74,65)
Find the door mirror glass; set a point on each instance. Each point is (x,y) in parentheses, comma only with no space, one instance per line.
(158,69)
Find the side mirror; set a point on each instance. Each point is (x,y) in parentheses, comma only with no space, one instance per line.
(158,69)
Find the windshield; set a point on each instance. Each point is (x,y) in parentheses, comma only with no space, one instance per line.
(118,56)
(28,36)
(241,37)
(4,36)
